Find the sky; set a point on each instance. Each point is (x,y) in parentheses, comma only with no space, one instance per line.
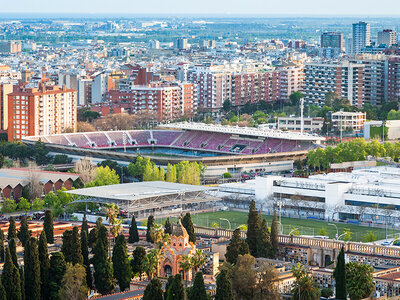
(175,7)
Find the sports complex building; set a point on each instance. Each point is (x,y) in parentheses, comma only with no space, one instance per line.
(220,148)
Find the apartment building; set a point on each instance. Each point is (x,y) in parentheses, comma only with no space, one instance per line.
(361,37)
(5,90)
(331,44)
(343,78)
(10,47)
(387,37)
(84,88)
(41,111)
(393,82)
(165,101)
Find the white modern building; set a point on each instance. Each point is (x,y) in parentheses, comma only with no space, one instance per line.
(343,121)
(370,194)
(361,36)
(294,124)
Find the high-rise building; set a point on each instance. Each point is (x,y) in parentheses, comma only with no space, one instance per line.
(181,44)
(387,37)
(10,47)
(361,36)
(345,79)
(41,111)
(393,79)
(163,101)
(332,40)
(5,90)
(84,91)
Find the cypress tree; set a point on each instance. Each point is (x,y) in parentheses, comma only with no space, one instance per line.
(224,287)
(24,233)
(168,227)
(263,241)
(1,246)
(103,273)
(85,226)
(274,236)
(149,233)
(13,250)
(253,226)
(12,230)
(11,278)
(48,226)
(340,276)
(176,290)
(188,224)
(153,290)
(71,247)
(32,270)
(44,265)
(137,262)
(22,280)
(236,247)
(3,295)
(86,261)
(198,291)
(133,231)
(92,237)
(167,285)
(121,267)
(58,267)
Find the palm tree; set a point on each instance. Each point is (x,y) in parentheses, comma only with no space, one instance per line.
(304,288)
(198,260)
(111,217)
(152,262)
(186,265)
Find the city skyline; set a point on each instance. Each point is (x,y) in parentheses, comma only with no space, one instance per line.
(224,7)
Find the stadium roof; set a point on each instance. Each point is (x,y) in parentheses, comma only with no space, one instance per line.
(249,131)
(139,196)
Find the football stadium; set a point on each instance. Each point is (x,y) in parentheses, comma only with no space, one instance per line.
(214,145)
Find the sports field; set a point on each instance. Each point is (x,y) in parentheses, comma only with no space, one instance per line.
(304,226)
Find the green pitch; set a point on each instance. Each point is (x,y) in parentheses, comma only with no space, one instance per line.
(304,226)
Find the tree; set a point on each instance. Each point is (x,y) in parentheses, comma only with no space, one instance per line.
(111,216)
(253,226)
(103,273)
(32,270)
(186,265)
(22,281)
(224,287)
(86,170)
(73,285)
(1,246)
(8,206)
(176,290)
(44,266)
(369,237)
(48,226)
(295,98)
(24,233)
(274,236)
(103,176)
(121,267)
(326,293)
(340,276)
(12,230)
(304,288)
(12,245)
(153,290)
(167,226)
(323,232)
(58,267)
(85,226)
(263,243)
(133,231)
(152,261)
(236,247)
(198,291)
(188,224)
(86,261)
(40,153)
(198,259)
(139,255)
(150,225)
(3,295)
(37,204)
(227,105)
(24,204)
(359,280)
(11,279)
(71,247)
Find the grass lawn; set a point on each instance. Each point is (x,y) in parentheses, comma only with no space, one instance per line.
(305,226)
